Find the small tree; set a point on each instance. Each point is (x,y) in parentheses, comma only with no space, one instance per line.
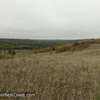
(11,52)
(75,44)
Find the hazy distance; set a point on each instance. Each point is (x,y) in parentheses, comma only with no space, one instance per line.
(50,19)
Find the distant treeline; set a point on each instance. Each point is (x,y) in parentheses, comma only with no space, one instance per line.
(20,44)
(10,47)
(78,45)
(45,45)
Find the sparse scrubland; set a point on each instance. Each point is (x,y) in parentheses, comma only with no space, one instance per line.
(70,75)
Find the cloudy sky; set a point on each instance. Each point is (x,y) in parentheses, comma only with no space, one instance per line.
(50,19)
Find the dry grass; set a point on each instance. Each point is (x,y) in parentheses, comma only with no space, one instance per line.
(56,76)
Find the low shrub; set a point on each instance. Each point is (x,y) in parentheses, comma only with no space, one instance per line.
(11,52)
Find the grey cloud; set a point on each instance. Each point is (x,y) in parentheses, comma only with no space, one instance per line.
(55,19)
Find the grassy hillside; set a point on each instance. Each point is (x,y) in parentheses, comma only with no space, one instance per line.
(70,75)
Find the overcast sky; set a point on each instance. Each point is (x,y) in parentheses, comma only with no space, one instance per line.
(50,19)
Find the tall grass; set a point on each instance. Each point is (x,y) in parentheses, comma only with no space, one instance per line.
(63,76)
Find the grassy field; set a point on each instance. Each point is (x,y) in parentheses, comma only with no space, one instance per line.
(71,75)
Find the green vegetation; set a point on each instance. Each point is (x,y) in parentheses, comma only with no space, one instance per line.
(57,76)
(70,75)
(11,52)
(13,47)
(31,44)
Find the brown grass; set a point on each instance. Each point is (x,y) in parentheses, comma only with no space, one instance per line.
(56,76)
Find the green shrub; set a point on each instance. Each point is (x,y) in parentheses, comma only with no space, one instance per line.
(75,44)
(11,52)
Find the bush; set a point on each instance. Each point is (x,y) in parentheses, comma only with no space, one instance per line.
(83,45)
(64,47)
(11,52)
(75,44)
(89,41)
(45,50)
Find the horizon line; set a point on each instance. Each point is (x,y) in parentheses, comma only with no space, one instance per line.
(47,38)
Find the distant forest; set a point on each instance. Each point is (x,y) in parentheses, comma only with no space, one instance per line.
(20,44)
